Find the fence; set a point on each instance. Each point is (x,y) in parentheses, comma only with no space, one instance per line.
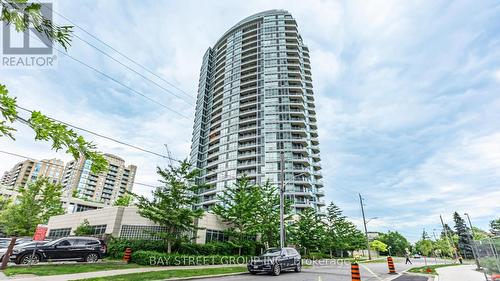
(488,253)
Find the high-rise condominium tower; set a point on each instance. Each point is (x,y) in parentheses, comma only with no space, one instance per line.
(255,101)
(30,170)
(106,187)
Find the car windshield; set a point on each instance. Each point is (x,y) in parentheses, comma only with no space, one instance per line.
(272,253)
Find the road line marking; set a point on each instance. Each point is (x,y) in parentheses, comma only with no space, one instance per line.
(380,279)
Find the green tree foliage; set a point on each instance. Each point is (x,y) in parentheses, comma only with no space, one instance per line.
(124,201)
(239,205)
(396,241)
(495,227)
(4,202)
(342,235)
(424,247)
(24,15)
(239,208)
(447,229)
(268,214)
(479,234)
(36,203)
(425,235)
(443,248)
(464,237)
(173,205)
(251,209)
(308,231)
(84,229)
(378,246)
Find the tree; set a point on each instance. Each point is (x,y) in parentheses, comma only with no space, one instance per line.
(396,241)
(84,229)
(464,236)
(495,227)
(268,214)
(36,203)
(173,205)
(124,201)
(4,202)
(308,232)
(25,15)
(447,229)
(425,235)
(424,247)
(479,234)
(336,222)
(239,208)
(355,238)
(378,246)
(443,248)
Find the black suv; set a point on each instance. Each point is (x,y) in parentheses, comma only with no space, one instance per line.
(275,260)
(83,249)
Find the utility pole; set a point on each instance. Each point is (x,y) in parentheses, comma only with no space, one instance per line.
(364,223)
(282,201)
(450,242)
(169,155)
(474,249)
(6,257)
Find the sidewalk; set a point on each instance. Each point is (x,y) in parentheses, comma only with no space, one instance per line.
(85,275)
(460,273)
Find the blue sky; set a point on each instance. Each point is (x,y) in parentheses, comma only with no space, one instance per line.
(407,95)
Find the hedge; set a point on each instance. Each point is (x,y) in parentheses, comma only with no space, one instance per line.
(153,258)
(116,248)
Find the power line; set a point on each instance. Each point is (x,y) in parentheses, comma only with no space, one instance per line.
(116,81)
(101,136)
(133,70)
(122,54)
(54,164)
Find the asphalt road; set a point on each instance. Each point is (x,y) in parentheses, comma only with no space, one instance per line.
(336,272)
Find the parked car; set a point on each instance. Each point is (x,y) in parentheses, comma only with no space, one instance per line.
(5,242)
(22,245)
(416,256)
(276,260)
(82,249)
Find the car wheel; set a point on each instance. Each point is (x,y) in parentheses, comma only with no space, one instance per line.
(253,272)
(276,270)
(27,258)
(298,267)
(92,257)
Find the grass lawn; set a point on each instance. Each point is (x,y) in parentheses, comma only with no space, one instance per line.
(57,269)
(166,274)
(423,269)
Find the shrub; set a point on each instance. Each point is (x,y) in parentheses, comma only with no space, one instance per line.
(316,256)
(116,247)
(164,259)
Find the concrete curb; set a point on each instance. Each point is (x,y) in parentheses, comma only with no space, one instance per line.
(206,276)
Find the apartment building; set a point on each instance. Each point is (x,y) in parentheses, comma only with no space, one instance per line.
(30,170)
(106,187)
(256,102)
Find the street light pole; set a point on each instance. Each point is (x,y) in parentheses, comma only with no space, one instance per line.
(366,230)
(474,249)
(282,202)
